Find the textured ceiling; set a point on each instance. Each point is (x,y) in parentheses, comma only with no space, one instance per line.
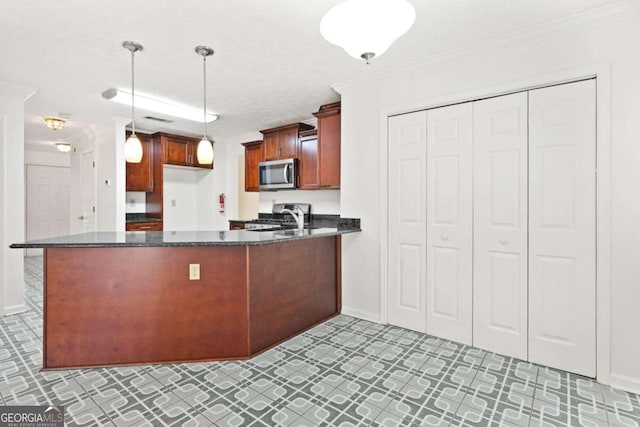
(271,65)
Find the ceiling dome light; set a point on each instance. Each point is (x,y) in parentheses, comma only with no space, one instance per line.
(63,146)
(366,28)
(53,123)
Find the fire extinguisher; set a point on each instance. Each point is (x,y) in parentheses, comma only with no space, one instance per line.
(221,201)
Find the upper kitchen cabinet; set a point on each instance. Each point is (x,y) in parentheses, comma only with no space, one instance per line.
(328,154)
(253,154)
(140,175)
(282,142)
(309,173)
(180,150)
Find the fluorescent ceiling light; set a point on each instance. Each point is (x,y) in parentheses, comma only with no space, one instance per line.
(155,105)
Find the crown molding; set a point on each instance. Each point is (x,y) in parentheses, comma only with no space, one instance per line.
(23,91)
(590,18)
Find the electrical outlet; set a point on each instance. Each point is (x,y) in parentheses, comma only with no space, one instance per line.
(173,203)
(194,271)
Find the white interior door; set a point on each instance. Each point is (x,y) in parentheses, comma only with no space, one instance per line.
(48,207)
(500,224)
(562,226)
(87,214)
(407,220)
(449,222)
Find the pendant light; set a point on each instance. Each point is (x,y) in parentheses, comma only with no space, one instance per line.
(366,28)
(205,148)
(133,147)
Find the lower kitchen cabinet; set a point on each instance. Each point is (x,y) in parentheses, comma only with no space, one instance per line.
(144,226)
(236,225)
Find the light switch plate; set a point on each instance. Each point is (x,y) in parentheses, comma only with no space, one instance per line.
(194,271)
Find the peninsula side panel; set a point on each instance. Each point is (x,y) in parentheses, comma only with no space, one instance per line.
(114,306)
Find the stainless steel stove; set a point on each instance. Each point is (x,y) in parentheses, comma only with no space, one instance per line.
(280,220)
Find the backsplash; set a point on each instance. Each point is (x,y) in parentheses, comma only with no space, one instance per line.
(322,201)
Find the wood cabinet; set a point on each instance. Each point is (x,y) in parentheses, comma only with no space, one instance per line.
(144,226)
(282,142)
(320,154)
(139,176)
(236,225)
(308,164)
(253,154)
(180,151)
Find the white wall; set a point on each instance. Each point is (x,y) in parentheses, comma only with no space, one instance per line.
(136,202)
(209,185)
(322,201)
(43,158)
(12,197)
(503,65)
(109,138)
(180,199)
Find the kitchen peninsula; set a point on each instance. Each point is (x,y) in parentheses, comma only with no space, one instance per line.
(119,298)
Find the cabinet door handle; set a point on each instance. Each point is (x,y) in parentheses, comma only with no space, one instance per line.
(147,227)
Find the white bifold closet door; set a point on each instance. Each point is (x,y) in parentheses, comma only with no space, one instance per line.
(407,220)
(449,222)
(500,224)
(562,227)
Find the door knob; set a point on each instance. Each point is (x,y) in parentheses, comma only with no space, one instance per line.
(81,217)
(444,237)
(503,241)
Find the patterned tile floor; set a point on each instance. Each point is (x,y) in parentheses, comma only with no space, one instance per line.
(345,372)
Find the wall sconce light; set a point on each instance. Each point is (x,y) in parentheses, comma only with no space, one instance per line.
(53,123)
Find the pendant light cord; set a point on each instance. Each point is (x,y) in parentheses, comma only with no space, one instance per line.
(204,99)
(133,120)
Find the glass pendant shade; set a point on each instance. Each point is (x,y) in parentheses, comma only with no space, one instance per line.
(366,28)
(205,152)
(133,150)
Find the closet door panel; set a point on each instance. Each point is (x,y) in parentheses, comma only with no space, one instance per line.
(562,227)
(407,221)
(449,222)
(500,225)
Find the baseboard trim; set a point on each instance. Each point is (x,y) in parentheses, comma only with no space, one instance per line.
(360,314)
(625,382)
(15,309)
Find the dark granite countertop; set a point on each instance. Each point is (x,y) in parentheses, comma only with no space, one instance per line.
(140,217)
(108,239)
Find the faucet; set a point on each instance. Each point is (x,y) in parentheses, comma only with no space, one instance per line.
(299,217)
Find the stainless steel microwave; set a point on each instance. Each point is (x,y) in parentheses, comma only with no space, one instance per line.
(277,174)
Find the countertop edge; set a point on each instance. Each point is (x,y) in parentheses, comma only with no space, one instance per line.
(131,244)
